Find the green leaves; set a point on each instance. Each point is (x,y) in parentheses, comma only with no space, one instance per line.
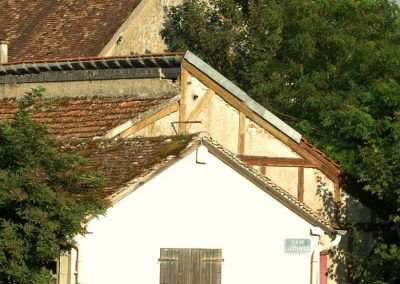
(45,196)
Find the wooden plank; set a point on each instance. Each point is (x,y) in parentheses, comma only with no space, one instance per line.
(149,120)
(182,104)
(242,131)
(300,184)
(329,170)
(200,106)
(217,273)
(190,266)
(275,161)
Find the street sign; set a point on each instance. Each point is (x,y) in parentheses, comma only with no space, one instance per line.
(297,245)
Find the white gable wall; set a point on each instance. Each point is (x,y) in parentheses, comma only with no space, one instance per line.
(191,205)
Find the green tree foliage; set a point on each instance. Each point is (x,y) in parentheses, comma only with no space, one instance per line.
(330,68)
(45,196)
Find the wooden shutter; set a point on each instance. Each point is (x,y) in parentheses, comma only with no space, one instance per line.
(190,266)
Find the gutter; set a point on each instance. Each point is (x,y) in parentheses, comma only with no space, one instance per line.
(77,260)
(315,269)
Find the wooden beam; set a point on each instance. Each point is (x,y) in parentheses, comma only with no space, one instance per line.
(242,131)
(275,161)
(337,191)
(300,184)
(182,104)
(263,170)
(200,106)
(301,149)
(149,120)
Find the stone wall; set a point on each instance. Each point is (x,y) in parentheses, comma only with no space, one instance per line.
(140,34)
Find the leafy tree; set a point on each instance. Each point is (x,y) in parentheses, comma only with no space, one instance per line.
(331,69)
(45,196)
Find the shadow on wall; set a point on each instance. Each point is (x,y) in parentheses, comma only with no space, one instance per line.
(350,213)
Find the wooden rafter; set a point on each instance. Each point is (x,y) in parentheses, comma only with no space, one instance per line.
(300,184)
(182,104)
(200,106)
(276,161)
(242,132)
(149,120)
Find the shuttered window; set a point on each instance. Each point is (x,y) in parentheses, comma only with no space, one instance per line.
(190,266)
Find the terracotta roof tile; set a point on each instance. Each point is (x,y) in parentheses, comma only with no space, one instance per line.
(320,153)
(60,28)
(120,161)
(85,117)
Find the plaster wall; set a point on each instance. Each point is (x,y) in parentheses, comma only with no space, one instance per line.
(319,192)
(221,122)
(270,146)
(159,127)
(190,205)
(285,177)
(133,88)
(140,34)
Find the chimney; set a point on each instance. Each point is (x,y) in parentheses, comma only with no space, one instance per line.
(3,52)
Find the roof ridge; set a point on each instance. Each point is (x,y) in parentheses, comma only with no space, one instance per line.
(91,58)
(100,97)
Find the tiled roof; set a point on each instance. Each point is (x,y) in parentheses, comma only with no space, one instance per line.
(161,60)
(321,154)
(85,117)
(59,29)
(120,161)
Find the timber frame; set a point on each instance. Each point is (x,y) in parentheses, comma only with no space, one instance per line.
(310,156)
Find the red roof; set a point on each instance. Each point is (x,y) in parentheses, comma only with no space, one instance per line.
(120,161)
(85,117)
(321,154)
(59,29)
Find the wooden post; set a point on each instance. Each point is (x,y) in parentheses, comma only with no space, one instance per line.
(242,131)
(300,187)
(182,104)
(263,170)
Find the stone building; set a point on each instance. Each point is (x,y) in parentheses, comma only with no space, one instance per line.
(48,29)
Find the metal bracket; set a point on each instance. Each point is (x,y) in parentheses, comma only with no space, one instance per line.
(183,122)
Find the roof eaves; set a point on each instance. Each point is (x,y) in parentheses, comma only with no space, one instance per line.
(165,60)
(274,190)
(242,96)
(127,124)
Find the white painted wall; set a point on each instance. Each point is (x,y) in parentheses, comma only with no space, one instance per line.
(196,206)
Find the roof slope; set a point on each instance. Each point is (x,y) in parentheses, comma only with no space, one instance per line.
(60,28)
(86,117)
(121,160)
